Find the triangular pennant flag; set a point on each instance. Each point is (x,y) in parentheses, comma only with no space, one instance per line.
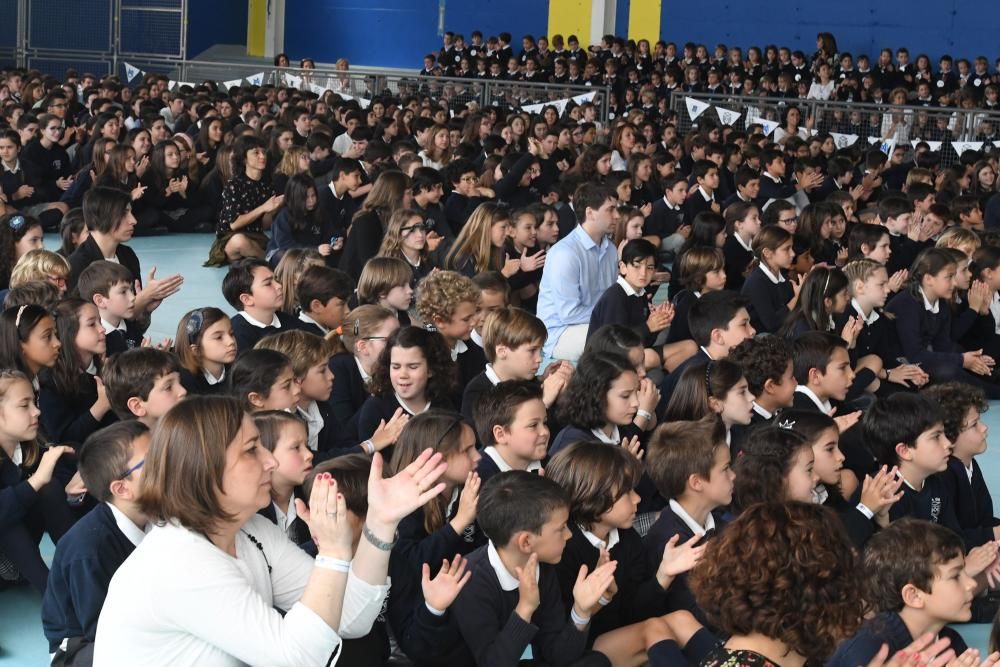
(887,146)
(293,81)
(131,72)
(933,145)
(813,133)
(560,106)
(170,84)
(232,83)
(695,107)
(962,146)
(996,144)
(256,79)
(533,108)
(843,140)
(316,88)
(727,116)
(768,125)
(585,97)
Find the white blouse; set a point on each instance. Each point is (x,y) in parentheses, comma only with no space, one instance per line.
(180,600)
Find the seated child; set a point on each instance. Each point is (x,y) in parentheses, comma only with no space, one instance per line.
(771,295)
(385,281)
(742,225)
(143,384)
(512,606)
(767,367)
(712,388)
(72,398)
(205,347)
(250,288)
(961,406)
(776,465)
(285,435)
(449,301)
(689,463)
(87,556)
(511,419)
(322,294)
(915,575)
(263,379)
(701,270)
(109,286)
(413,372)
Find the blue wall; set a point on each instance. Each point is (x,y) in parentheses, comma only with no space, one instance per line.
(215,22)
(397,33)
(923,26)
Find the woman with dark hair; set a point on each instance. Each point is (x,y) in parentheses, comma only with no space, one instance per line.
(248,205)
(216,572)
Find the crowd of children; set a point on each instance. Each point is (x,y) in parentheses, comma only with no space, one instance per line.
(637,401)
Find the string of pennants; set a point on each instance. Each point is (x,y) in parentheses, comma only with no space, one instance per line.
(695,108)
(560,105)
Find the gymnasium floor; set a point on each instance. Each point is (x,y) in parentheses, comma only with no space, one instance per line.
(21,640)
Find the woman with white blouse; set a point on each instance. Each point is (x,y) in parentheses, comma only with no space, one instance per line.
(203,587)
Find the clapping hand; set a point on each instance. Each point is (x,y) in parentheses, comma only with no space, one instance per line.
(389,500)
(327,518)
(678,559)
(442,590)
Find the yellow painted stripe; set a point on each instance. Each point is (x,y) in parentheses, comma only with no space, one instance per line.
(256,27)
(570,17)
(644,20)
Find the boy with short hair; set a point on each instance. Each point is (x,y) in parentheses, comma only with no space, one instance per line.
(689,462)
(449,301)
(512,608)
(767,366)
(143,384)
(322,294)
(705,174)
(110,463)
(667,225)
(335,199)
(917,583)
(747,182)
(108,285)
(907,431)
(894,213)
(969,213)
(511,423)
(250,288)
(822,370)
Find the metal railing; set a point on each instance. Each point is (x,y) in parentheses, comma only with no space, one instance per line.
(904,124)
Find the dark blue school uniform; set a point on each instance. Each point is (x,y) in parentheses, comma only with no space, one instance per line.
(925,337)
(349,391)
(768,301)
(680,327)
(247,335)
(87,557)
(737,260)
(972,502)
(885,628)
(663,220)
(932,503)
(128,336)
(620,304)
(774,189)
(377,408)
(670,382)
(198,384)
(66,418)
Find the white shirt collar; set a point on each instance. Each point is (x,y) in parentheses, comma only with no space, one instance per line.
(308,320)
(365,377)
(705,195)
(476,338)
(459,348)
(211,379)
(314,421)
(17,458)
(133,532)
(491,375)
(689,521)
(822,405)
(762,411)
(672,207)
(743,244)
(995,311)
(403,405)
(629,290)
(932,308)
(615,438)
(613,538)
(776,179)
(275,322)
(108,327)
(92,368)
(869,319)
(707,353)
(508,581)
(503,466)
(281,518)
(777,280)
(17,167)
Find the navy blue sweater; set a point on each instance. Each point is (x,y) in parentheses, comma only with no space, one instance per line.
(925,337)
(885,628)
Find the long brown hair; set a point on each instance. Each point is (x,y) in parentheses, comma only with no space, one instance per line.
(473,241)
(385,198)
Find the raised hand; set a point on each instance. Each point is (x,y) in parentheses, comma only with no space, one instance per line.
(632,446)
(510,265)
(589,588)
(442,590)
(388,432)
(527,589)
(845,422)
(898,279)
(881,492)
(327,518)
(532,262)
(389,500)
(678,558)
(47,465)
(467,500)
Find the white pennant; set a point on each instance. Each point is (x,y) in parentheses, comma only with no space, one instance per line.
(695,107)
(586,97)
(843,140)
(232,84)
(256,79)
(560,106)
(884,145)
(727,116)
(933,145)
(962,146)
(293,81)
(768,125)
(132,72)
(316,88)
(362,102)
(170,84)
(996,144)
(534,108)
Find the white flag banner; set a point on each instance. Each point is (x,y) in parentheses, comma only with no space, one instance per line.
(933,145)
(768,125)
(884,145)
(362,102)
(843,140)
(293,81)
(256,79)
(962,146)
(727,116)
(132,72)
(996,144)
(171,84)
(585,97)
(316,88)
(232,83)
(534,108)
(695,107)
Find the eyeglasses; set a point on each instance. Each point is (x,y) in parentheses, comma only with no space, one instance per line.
(420,226)
(788,221)
(133,469)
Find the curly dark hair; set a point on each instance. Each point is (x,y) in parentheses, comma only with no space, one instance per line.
(584,403)
(767,456)
(443,373)
(786,571)
(762,358)
(955,399)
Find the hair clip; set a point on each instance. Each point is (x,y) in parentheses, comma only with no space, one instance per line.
(17,318)
(15,223)
(708,378)
(357,327)
(194,323)
(787,424)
